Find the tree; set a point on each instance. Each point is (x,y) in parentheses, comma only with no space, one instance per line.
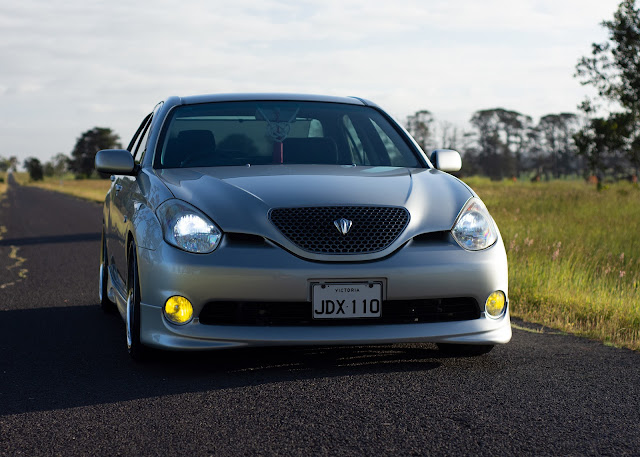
(57,166)
(449,135)
(87,145)
(4,164)
(602,143)
(47,169)
(515,126)
(557,132)
(34,167)
(60,163)
(501,141)
(13,163)
(488,142)
(536,158)
(613,68)
(419,125)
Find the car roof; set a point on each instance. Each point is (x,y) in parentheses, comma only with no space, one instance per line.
(263,96)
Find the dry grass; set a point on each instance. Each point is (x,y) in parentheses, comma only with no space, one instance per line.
(21,177)
(89,189)
(3,182)
(574,255)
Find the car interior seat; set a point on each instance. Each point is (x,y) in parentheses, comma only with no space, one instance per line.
(315,150)
(192,148)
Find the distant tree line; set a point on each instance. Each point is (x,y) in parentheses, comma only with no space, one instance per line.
(80,163)
(57,166)
(505,143)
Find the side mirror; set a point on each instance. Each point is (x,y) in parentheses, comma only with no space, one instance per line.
(115,162)
(446,160)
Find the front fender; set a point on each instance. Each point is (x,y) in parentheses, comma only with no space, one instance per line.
(145,227)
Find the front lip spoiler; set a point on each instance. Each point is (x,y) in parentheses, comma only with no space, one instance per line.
(195,336)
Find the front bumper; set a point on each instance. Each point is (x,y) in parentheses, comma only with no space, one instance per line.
(250,272)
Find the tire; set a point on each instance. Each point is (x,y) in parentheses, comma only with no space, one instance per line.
(464,350)
(138,351)
(107,305)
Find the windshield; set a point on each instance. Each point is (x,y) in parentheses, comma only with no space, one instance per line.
(268,132)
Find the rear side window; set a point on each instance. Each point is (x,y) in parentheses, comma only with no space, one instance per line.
(268,132)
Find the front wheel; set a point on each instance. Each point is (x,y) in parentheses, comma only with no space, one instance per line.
(464,350)
(137,350)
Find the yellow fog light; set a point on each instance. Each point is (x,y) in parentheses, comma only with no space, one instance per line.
(178,310)
(495,304)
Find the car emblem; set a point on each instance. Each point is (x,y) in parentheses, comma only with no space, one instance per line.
(343,225)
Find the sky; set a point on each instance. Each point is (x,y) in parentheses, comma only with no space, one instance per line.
(68,66)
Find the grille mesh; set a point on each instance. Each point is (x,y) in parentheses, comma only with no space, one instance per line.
(313,229)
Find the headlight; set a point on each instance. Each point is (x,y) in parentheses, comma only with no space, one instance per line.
(474,229)
(188,228)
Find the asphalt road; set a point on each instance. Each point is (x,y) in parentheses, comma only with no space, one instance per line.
(67,386)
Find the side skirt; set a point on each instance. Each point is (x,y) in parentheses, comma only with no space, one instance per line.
(117,291)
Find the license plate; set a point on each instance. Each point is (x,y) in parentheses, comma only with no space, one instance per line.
(347,300)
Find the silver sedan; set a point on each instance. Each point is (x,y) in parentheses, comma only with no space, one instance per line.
(278,219)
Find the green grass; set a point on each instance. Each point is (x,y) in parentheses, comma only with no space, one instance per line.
(574,255)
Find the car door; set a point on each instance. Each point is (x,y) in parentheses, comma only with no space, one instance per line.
(122,206)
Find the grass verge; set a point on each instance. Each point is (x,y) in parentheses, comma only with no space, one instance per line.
(89,189)
(574,255)
(3,182)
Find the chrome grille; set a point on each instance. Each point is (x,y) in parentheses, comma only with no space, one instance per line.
(314,229)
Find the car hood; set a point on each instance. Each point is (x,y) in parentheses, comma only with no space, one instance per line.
(238,199)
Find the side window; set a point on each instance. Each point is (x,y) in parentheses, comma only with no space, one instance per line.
(141,145)
(141,131)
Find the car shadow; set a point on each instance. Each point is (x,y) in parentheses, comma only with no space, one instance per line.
(63,357)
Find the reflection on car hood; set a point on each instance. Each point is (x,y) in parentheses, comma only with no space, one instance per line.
(238,199)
